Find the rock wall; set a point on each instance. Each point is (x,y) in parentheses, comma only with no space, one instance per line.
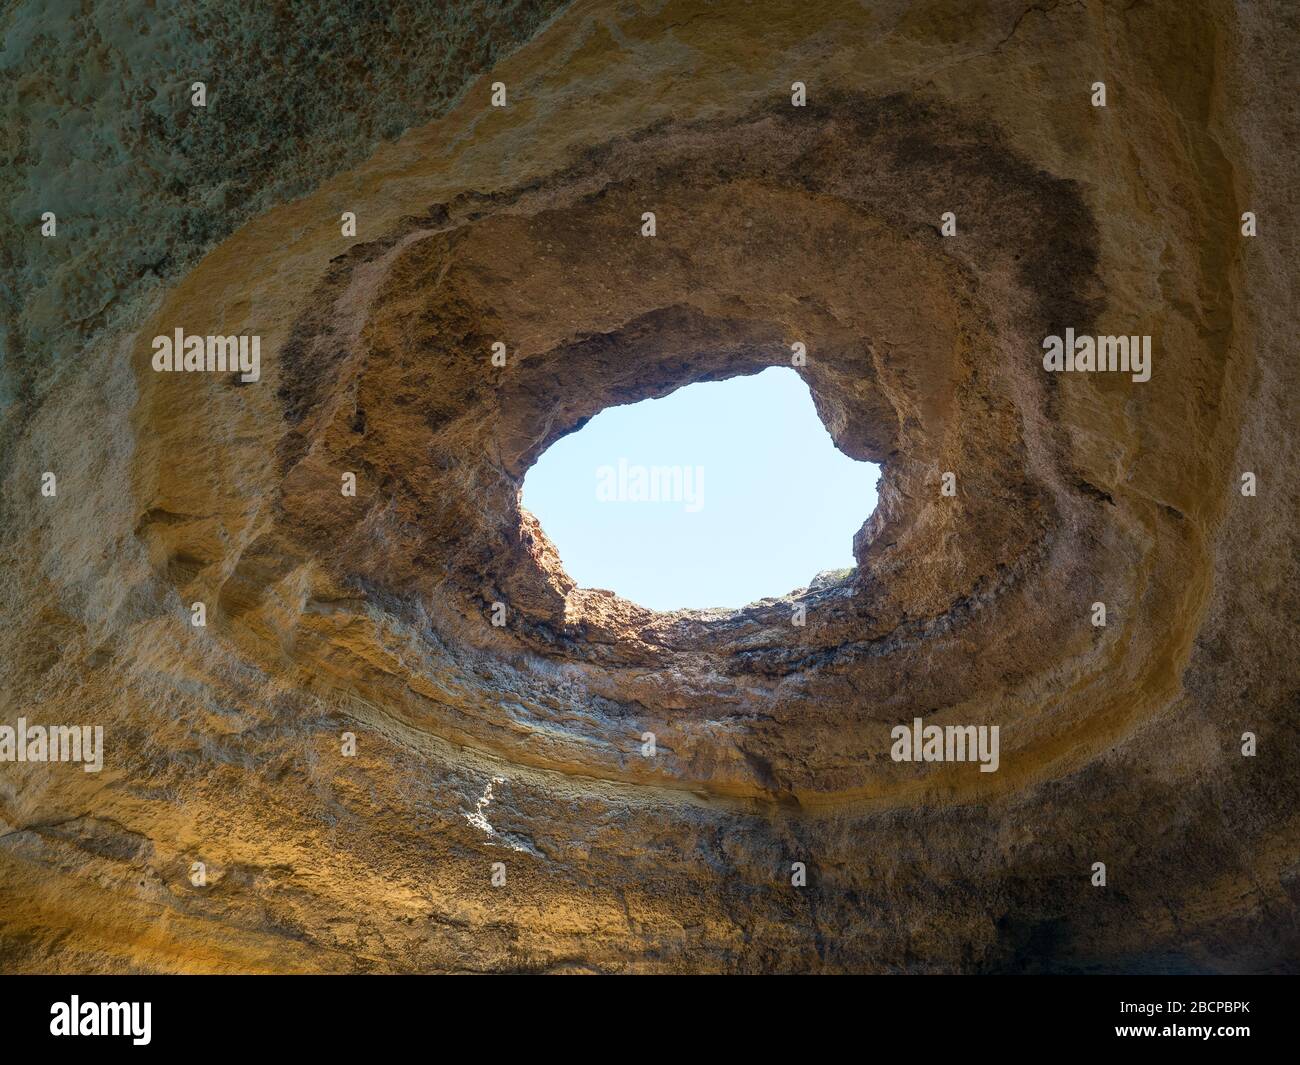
(523,744)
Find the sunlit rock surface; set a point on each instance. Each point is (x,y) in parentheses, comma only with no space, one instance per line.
(523,744)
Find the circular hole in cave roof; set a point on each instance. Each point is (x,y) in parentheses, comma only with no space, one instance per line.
(717,495)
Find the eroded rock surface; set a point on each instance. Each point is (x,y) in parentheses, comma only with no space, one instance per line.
(522,744)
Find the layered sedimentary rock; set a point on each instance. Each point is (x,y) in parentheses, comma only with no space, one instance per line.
(516,751)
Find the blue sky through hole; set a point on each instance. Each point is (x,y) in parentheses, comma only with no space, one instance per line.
(714,496)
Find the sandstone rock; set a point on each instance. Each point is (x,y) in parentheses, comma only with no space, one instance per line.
(523,743)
